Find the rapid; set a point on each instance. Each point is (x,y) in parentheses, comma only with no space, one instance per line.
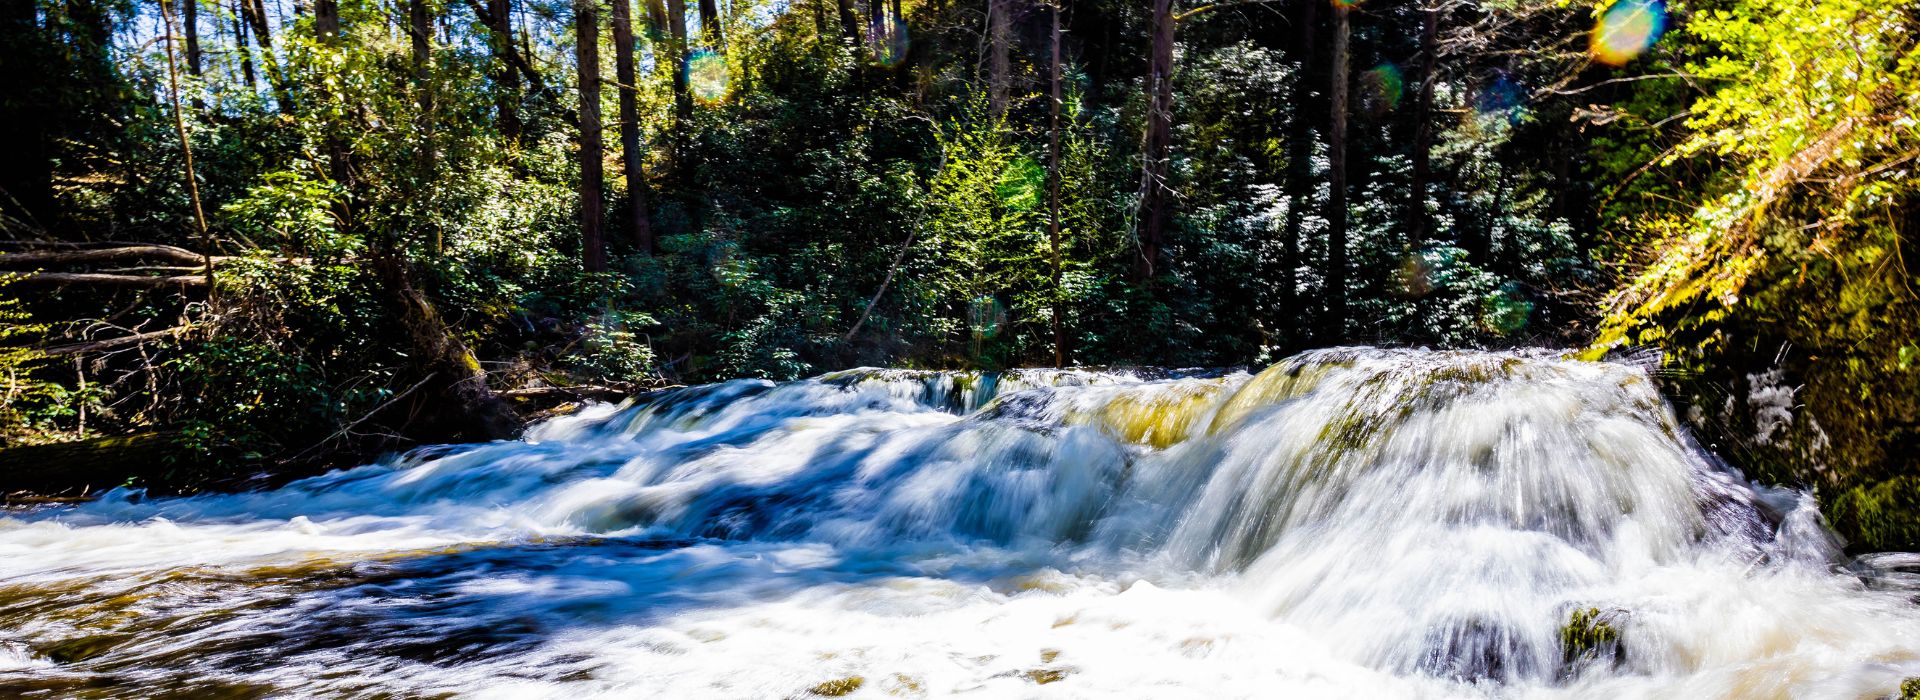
(1347,523)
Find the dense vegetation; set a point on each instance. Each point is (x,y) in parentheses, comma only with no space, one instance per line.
(287,235)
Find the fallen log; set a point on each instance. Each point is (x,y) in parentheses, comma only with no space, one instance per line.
(111,343)
(98,279)
(41,258)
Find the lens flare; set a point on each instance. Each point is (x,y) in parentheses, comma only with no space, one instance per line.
(707,76)
(1627,29)
(1501,99)
(1346,3)
(986,316)
(1506,311)
(1382,87)
(891,49)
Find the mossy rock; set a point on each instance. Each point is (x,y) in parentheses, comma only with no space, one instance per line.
(837,687)
(1910,689)
(1883,516)
(1590,637)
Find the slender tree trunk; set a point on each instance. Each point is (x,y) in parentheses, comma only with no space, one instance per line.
(1337,170)
(999,40)
(710,33)
(326,24)
(506,81)
(1158,144)
(1300,184)
(677,60)
(819,19)
(586,23)
(656,23)
(639,225)
(420,23)
(240,47)
(849,23)
(877,26)
(186,150)
(1053,197)
(1423,127)
(255,12)
(190,29)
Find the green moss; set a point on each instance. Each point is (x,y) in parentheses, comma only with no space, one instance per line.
(837,687)
(1910,689)
(1882,516)
(1589,635)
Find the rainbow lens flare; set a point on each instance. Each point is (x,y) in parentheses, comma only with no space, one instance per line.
(707,76)
(1627,29)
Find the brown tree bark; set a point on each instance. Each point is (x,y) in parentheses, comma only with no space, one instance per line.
(586,27)
(639,225)
(1158,144)
(456,404)
(1336,291)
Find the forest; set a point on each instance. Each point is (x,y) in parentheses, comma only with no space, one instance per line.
(245,241)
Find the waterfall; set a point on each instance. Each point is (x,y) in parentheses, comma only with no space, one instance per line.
(1350,522)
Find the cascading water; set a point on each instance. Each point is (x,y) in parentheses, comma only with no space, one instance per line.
(1347,523)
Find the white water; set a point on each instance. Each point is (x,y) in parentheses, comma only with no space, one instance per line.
(1349,523)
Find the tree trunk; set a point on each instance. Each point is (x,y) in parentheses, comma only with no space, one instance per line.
(326,25)
(1053,197)
(1300,183)
(1337,171)
(190,29)
(677,60)
(420,23)
(586,23)
(240,47)
(849,23)
(710,34)
(656,24)
(255,13)
(1423,128)
(506,97)
(1158,144)
(999,38)
(456,405)
(639,226)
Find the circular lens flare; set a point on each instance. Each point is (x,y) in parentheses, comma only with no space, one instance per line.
(1382,87)
(707,76)
(1627,29)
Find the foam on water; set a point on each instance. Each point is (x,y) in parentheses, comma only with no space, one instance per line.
(1347,523)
